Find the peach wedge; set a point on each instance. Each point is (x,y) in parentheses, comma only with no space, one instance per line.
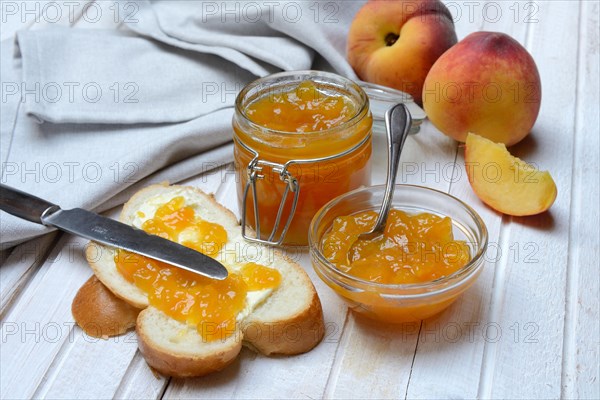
(504,182)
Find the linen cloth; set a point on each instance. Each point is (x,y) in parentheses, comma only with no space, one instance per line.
(90,116)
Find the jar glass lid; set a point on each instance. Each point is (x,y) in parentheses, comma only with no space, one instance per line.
(382,98)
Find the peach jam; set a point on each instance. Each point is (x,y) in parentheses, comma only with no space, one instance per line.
(209,304)
(301,109)
(308,132)
(413,249)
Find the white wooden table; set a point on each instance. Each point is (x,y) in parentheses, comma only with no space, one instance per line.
(529,328)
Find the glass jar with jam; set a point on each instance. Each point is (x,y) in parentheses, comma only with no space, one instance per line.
(300,139)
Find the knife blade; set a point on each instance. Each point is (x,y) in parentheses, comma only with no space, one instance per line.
(109,232)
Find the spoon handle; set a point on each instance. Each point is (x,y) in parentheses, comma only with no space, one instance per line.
(397,123)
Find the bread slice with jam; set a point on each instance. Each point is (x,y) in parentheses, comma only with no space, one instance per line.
(285,319)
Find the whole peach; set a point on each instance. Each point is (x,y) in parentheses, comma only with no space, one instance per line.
(395,43)
(487,84)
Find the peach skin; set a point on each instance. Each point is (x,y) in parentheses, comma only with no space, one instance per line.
(487,84)
(395,43)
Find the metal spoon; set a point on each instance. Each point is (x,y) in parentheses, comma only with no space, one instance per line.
(397,125)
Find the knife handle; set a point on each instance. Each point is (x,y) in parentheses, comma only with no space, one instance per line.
(23,205)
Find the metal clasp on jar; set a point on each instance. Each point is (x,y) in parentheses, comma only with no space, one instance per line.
(254,170)
(254,173)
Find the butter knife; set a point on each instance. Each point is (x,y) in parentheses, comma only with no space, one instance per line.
(107,231)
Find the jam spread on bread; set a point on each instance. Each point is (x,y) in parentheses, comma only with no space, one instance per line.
(414,248)
(209,304)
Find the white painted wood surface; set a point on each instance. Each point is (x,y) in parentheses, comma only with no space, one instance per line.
(529,327)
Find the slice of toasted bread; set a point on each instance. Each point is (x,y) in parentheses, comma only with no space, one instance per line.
(176,349)
(99,313)
(288,321)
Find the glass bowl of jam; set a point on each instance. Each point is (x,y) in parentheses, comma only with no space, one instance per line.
(431,251)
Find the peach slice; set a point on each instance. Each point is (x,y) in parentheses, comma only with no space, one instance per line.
(504,182)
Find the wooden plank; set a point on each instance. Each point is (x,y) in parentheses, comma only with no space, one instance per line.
(377,355)
(454,341)
(525,358)
(39,324)
(139,382)
(256,376)
(21,266)
(83,369)
(388,351)
(581,356)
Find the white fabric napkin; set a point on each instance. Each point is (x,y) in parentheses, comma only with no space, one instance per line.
(89,116)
